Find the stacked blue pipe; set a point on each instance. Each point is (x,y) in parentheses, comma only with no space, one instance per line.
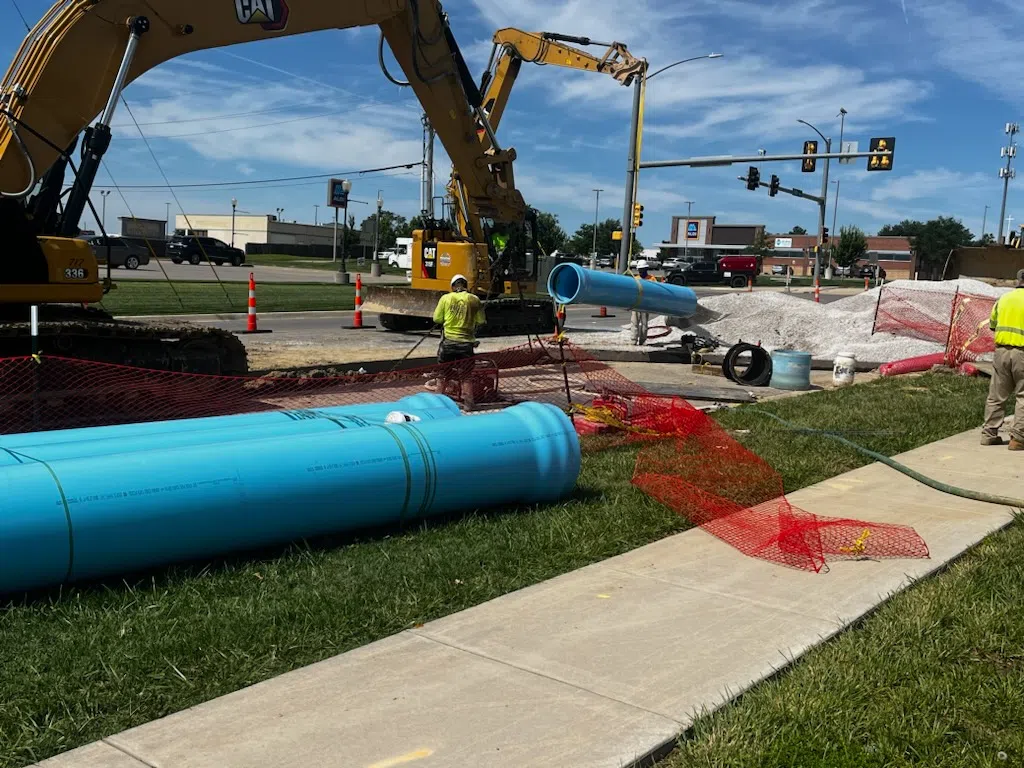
(572,284)
(129,438)
(90,516)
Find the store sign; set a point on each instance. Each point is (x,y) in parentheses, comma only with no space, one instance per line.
(783,242)
(692,230)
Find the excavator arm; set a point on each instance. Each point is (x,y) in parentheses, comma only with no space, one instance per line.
(76,61)
(511,47)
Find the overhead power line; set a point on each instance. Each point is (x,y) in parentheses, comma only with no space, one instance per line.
(252,182)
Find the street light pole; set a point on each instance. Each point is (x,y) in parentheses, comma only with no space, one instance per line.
(984,221)
(103,220)
(686,239)
(234,205)
(835,207)
(347,186)
(597,208)
(167,218)
(316,215)
(633,160)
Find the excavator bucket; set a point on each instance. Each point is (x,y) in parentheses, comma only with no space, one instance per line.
(401,307)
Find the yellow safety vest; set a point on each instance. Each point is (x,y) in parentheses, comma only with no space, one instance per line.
(460,314)
(1008,319)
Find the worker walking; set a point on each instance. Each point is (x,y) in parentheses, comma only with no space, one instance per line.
(1008,368)
(638,321)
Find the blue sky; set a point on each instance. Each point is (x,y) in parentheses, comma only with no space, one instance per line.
(936,74)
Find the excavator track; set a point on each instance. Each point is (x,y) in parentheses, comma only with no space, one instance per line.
(506,316)
(90,334)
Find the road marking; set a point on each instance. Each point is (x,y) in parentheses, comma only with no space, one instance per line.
(408,757)
(604,597)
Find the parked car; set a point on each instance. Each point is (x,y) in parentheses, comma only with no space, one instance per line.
(728,270)
(652,263)
(842,271)
(605,262)
(869,270)
(123,253)
(672,262)
(199,250)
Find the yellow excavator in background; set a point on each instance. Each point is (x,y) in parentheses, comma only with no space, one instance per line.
(75,64)
(504,274)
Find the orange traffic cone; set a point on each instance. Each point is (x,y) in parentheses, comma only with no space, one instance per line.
(357,316)
(251,318)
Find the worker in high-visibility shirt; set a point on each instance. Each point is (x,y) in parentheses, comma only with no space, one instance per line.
(459,313)
(638,321)
(1007,322)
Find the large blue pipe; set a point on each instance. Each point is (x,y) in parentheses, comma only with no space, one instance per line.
(572,284)
(129,438)
(82,518)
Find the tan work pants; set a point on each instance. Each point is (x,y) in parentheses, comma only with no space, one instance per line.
(1007,381)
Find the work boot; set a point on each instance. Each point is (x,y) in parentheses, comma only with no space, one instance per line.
(1016,445)
(991,440)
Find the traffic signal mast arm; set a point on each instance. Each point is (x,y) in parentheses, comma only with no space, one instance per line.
(788,190)
(713,160)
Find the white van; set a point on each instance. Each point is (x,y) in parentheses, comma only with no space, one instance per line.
(401,257)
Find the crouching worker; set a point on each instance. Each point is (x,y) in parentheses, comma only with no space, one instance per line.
(459,314)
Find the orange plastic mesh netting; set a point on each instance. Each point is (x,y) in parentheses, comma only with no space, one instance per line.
(685,459)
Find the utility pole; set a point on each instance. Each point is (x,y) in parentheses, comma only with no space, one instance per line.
(686,239)
(631,172)
(1007,173)
(376,225)
(316,215)
(234,205)
(835,207)
(167,218)
(984,221)
(597,208)
(427,179)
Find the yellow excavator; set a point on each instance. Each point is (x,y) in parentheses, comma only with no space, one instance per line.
(75,64)
(503,269)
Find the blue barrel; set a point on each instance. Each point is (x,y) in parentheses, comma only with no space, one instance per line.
(791,370)
(130,438)
(81,518)
(572,284)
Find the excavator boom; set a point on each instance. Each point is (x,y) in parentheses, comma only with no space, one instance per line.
(72,65)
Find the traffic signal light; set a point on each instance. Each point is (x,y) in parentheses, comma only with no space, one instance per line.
(824,235)
(883,163)
(810,148)
(753,178)
(638,215)
(773,188)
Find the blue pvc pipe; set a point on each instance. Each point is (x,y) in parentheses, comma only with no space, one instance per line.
(572,284)
(130,438)
(82,518)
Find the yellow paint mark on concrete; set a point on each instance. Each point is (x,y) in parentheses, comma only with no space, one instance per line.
(946,458)
(840,486)
(605,597)
(409,757)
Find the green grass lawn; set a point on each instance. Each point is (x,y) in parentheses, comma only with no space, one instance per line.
(308,262)
(89,661)
(158,297)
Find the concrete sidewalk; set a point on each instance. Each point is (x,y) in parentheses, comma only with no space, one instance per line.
(599,667)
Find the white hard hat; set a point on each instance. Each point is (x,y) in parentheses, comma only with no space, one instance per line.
(642,264)
(457,278)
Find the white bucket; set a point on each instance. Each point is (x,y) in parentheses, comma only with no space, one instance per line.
(844,369)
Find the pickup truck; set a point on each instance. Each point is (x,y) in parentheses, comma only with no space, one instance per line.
(728,270)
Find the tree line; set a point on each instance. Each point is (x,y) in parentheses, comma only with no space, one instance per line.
(550,234)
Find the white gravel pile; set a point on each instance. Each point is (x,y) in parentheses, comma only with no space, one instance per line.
(783,321)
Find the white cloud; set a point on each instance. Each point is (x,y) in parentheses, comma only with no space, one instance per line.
(940,183)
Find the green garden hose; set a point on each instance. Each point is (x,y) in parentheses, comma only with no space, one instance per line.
(890,462)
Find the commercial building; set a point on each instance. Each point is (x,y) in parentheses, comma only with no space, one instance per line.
(702,238)
(246,228)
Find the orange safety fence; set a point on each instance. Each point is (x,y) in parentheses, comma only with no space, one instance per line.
(685,459)
(957,320)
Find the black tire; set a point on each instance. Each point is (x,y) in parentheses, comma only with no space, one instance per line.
(738,282)
(237,261)
(677,280)
(219,262)
(131,262)
(195,259)
(176,261)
